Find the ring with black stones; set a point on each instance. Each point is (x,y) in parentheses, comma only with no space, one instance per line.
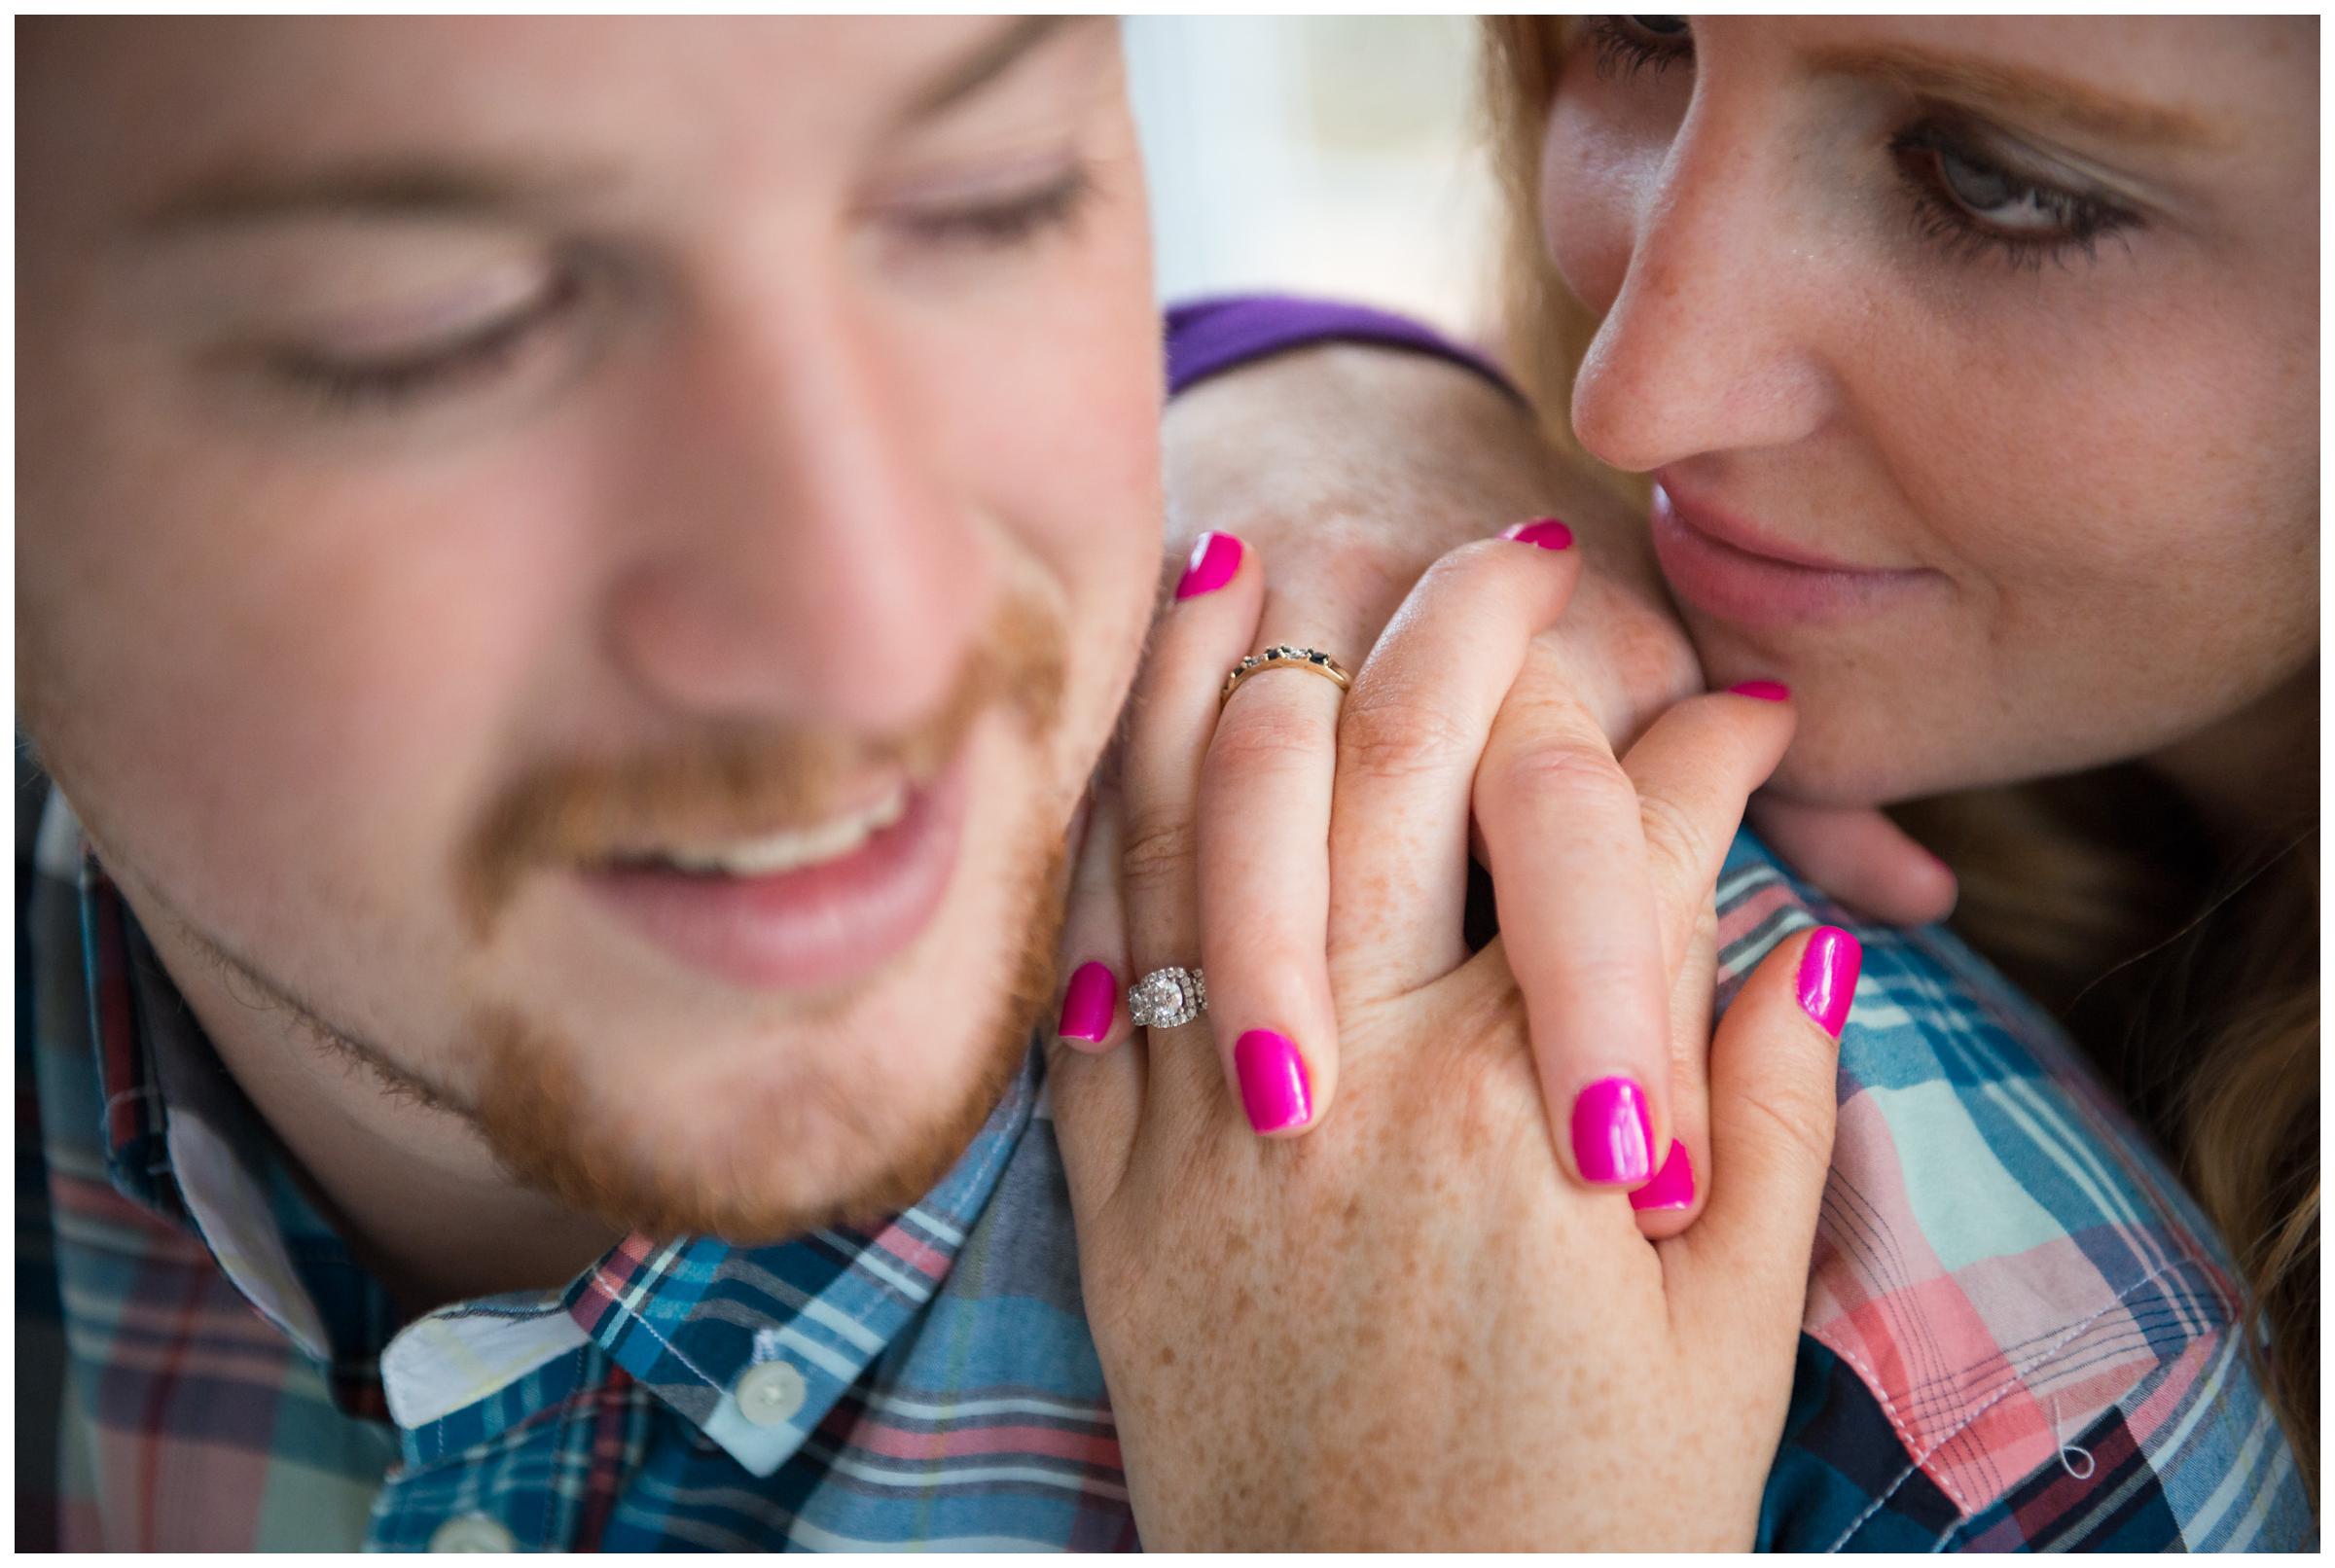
(1282,655)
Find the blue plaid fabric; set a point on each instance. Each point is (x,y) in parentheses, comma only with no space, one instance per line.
(2020,1331)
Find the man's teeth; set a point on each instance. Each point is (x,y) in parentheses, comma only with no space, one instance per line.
(776,852)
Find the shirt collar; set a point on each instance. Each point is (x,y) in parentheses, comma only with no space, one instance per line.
(755,1345)
(758,1343)
(180,1137)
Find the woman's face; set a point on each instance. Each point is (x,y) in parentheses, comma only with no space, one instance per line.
(1975,362)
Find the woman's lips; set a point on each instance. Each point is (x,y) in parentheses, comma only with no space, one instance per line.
(813,928)
(1721,569)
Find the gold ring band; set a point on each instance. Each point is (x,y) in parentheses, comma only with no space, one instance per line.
(1283,657)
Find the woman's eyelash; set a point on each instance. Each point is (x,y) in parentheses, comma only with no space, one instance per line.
(1623,52)
(2081,220)
(1625,47)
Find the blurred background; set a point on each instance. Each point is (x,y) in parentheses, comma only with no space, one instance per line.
(1336,156)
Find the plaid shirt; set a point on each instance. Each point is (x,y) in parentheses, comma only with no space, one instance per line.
(2017,1331)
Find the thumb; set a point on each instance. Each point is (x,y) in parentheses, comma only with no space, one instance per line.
(1858,856)
(1774,1074)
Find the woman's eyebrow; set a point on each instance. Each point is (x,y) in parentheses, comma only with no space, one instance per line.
(2020,87)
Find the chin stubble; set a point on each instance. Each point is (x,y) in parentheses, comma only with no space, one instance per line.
(551,1134)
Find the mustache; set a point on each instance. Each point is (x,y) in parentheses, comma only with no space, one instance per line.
(735,780)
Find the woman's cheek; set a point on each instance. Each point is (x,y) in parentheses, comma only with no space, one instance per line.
(1590,172)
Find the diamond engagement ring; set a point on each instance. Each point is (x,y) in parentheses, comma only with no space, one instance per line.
(1281,656)
(1167,998)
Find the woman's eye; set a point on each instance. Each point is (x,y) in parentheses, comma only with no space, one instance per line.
(1993,195)
(1629,45)
(1972,204)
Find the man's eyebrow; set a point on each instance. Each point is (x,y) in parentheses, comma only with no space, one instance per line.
(997,54)
(429,186)
(434,187)
(2071,103)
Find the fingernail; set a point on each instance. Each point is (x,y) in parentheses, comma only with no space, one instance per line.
(1673,1186)
(1765,691)
(1273,1081)
(1215,558)
(1546,532)
(1828,972)
(1612,1135)
(1088,1002)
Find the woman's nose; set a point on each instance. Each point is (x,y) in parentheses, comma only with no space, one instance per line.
(1711,344)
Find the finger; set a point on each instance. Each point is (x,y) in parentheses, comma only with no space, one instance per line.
(1694,769)
(1690,774)
(1858,856)
(1774,1091)
(1092,949)
(1264,880)
(1567,850)
(1670,1203)
(1408,743)
(1093,1071)
(1264,852)
(1170,718)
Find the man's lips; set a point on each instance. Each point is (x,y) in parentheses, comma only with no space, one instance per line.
(1730,570)
(814,927)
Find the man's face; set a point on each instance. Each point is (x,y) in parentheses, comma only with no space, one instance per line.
(594,559)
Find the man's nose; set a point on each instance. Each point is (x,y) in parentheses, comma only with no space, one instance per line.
(797,552)
(1707,346)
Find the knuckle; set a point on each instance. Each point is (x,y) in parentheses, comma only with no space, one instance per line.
(1396,729)
(1636,638)
(1675,833)
(1488,1090)
(1585,774)
(1264,740)
(1157,855)
(1790,1124)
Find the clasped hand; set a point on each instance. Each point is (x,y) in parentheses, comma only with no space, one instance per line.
(1429,1319)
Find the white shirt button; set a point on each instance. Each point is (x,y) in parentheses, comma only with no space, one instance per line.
(769,1394)
(472,1532)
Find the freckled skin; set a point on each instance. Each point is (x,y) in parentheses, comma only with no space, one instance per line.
(1408,1293)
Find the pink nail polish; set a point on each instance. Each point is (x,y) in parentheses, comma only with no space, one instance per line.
(1088,1002)
(1215,558)
(1273,1091)
(1828,972)
(1673,1186)
(1612,1133)
(1765,691)
(1546,532)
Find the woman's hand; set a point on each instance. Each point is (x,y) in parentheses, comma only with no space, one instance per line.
(1354,467)
(1411,1328)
